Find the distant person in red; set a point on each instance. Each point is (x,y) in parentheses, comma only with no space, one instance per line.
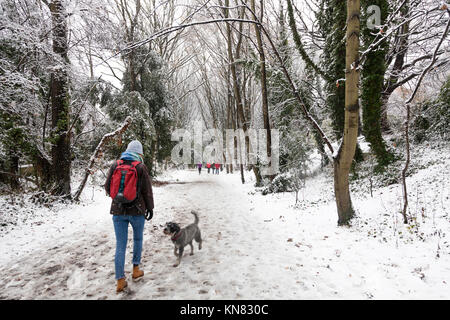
(217,165)
(208,165)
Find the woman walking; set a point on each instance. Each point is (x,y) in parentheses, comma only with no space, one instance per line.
(131,189)
(217,165)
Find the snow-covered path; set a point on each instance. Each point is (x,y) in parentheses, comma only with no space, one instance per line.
(241,256)
(255,247)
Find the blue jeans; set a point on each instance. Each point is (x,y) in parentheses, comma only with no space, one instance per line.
(121,230)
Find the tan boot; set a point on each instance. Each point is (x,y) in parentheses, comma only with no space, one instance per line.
(121,284)
(137,273)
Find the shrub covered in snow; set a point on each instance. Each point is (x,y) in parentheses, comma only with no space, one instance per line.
(281,183)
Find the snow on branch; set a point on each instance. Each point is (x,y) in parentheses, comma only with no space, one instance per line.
(171,29)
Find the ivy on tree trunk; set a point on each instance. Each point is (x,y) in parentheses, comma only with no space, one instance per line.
(372,84)
(60,103)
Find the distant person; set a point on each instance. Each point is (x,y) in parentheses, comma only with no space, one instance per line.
(217,165)
(199,166)
(208,166)
(213,167)
(129,185)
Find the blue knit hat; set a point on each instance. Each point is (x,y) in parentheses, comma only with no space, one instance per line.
(135,146)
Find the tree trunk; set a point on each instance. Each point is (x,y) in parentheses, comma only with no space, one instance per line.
(342,193)
(131,57)
(263,78)
(229,166)
(405,168)
(14,182)
(346,152)
(240,117)
(60,103)
(43,171)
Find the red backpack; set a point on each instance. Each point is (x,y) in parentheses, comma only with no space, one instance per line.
(124,182)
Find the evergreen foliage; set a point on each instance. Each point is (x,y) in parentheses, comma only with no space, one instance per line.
(332,20)
(295,143)
(148,104)
(372,82)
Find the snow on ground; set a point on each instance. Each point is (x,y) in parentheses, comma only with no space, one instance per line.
(255,247)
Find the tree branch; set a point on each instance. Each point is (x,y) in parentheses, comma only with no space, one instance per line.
(299,44)
(97,155)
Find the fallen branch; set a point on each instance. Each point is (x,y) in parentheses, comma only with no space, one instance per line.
(106,138)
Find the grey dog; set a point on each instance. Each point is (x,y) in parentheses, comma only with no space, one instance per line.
(183,237)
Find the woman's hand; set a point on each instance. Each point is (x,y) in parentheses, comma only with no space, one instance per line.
(148,215)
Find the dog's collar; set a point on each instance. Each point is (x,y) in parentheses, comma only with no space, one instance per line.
(175,237)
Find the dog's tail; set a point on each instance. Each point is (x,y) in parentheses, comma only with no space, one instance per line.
(196,216)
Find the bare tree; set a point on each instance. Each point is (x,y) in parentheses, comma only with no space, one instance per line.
(408,114)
